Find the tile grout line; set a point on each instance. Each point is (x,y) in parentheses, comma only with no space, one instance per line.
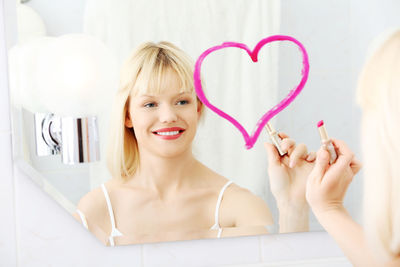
(260,246)
(142,255)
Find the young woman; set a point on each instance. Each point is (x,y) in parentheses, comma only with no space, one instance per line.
(159,191)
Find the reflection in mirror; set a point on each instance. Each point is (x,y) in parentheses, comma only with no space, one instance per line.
(169,169)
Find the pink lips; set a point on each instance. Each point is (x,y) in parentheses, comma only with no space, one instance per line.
(169,137)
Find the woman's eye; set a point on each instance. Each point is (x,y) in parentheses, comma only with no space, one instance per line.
(183,102)
(149,105)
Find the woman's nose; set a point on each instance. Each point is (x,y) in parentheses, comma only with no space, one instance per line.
(168,114)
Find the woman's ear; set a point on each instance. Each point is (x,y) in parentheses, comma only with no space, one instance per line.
(200,108)
(128,120)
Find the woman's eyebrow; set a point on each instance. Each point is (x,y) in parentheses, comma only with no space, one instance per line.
(146,96)
(184,93)
(154,96)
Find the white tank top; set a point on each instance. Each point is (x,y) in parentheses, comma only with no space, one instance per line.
(115,232)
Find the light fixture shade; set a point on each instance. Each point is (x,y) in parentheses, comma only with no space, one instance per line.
(29,24)
(22,60)
(76,75)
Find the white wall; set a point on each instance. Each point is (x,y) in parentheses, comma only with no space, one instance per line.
(61,16)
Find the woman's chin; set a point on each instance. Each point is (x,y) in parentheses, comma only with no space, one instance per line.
(174,148)
(170,154)
(172,151)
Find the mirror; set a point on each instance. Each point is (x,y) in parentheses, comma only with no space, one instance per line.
(246,90)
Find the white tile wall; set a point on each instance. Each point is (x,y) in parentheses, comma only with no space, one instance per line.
(299,246)
(8,255)
(212,252)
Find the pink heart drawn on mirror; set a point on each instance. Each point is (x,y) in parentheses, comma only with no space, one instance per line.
(251,139)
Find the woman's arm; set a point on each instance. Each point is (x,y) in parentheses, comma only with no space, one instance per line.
(244,231)
(326,188)
(92,205)
(244,213)
(349,236)
(288,176)
(292,217)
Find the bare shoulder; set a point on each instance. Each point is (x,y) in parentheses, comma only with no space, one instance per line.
(211,177)
(239,206)
(94,208)
(241,196)
(93,205)
(234,194)
(247,208)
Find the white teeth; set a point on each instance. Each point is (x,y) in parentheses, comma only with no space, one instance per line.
(168,133)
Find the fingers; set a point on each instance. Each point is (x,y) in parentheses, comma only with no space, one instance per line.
(288,145)
(346,165)
(355,165)
(273,155)
(321,164)
(295,152)
(345,155)
(283,135)
(311,156)
(342,149)
(299,152)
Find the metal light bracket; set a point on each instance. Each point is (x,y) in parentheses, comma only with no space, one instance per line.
(76,139)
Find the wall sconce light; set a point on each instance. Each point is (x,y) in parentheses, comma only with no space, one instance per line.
(65,83)
(76,139)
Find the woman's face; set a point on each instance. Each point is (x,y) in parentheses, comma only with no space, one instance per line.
(164,124)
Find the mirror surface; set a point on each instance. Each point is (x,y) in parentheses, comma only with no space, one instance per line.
(335,34)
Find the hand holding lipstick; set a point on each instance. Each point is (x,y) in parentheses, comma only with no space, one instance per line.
(326,142)
(288,173)
(327,184)
(288,176)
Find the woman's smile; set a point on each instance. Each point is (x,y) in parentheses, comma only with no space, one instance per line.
(169,133)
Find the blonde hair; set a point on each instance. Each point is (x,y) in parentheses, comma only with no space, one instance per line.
(142,73)
(378,94)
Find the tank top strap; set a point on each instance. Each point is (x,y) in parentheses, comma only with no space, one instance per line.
(216,215)
(83,218)
(114,231)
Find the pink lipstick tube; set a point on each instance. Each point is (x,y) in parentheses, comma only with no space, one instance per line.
(326,142)
(275,139)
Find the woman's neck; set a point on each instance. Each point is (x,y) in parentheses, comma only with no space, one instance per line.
(165,175)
